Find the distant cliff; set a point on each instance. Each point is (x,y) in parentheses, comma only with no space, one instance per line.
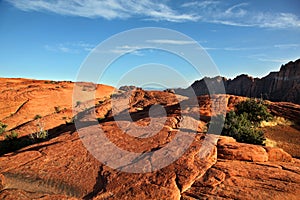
(277,86)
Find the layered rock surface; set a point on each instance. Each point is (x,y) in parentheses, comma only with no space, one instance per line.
(24,101)
(277,86)
(208,168)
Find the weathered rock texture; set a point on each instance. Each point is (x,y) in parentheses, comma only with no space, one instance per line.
(62,167)
(277,86)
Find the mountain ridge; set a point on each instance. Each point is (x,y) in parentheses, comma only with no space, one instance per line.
(283,85)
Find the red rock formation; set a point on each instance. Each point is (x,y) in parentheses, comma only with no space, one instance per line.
(62,167)
(277,86)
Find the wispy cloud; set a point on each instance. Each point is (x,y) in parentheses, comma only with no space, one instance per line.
(241,14)
(125,49)
(173,42)
(286,46)
(236,48)
(112,9)
(236,10)
(133,50)
(149,46)
(275,60)
(266,58)
(275,20)
(200,4)
(68,47)
(244,48)
(210,11)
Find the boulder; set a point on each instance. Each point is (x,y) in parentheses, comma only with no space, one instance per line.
(277,154)
(230,150)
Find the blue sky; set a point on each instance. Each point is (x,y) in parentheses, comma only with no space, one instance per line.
(51,39)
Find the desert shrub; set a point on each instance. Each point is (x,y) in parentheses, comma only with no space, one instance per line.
(40,133)
(37,117)
(71,120)
(276,121)
(51,82)
(242,129)
(242,124)
(2,128)
(57,109)
(78,103)
(12,136)
(256,110)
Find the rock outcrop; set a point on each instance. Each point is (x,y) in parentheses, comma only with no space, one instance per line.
(277,86)
(65,165)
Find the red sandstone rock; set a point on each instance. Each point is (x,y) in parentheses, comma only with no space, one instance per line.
(240,151)
(62,167)
(277,154)
(231,179)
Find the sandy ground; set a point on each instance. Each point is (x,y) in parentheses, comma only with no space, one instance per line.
(286,137)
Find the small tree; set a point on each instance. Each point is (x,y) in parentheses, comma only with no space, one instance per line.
(242,124)
(242,129)
(256,110)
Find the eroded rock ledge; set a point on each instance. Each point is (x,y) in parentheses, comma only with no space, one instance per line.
(62,167)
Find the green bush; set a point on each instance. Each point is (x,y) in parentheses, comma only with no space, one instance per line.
(37,117)
(256,109)
(242,124)
(2,128)
(12,136)
(242,129)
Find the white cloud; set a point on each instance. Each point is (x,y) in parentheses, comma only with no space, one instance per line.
(236,48)
(218,12)
(135,50)
(202,4)
(211,48)
(244,48)
(68,47)
(240,15)
(236,10)
(59,48)
(266,58)
(276,20)
(230,23)
(286,46)
(275,60)
(174,42)
(112,9)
